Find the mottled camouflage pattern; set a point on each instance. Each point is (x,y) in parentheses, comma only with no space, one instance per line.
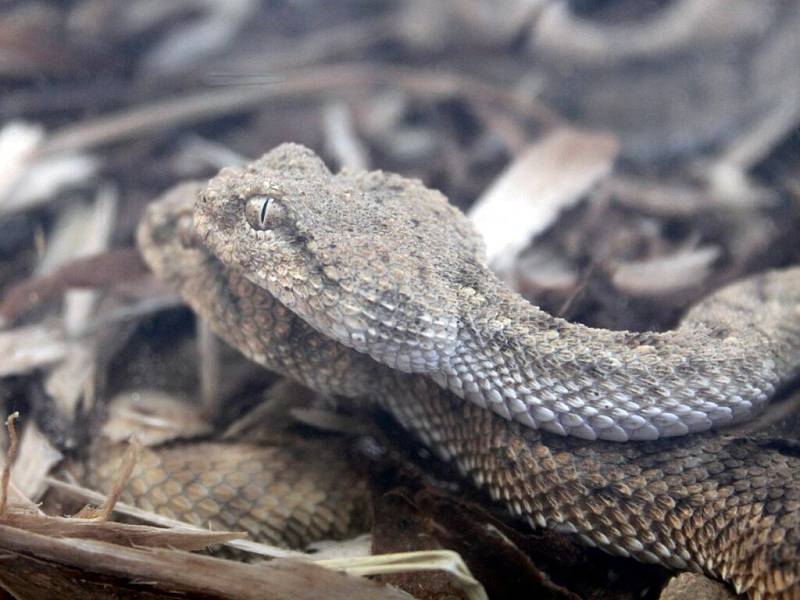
(707,501)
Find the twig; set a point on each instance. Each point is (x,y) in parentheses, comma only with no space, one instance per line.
(205,104)
(129,460)
(579,289)
(100,270)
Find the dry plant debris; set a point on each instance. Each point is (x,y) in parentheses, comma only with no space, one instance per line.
(622,158)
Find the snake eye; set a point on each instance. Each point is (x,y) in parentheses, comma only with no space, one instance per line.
(262,212)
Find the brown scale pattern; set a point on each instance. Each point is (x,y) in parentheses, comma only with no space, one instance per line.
(725,505)
(285,495)
(729,506)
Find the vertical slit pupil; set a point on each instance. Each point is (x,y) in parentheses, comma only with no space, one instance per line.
(265,210)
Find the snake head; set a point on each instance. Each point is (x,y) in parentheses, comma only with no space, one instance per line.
(373,260)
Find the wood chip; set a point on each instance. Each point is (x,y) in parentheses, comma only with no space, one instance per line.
(546,271)
(674,199)
(142,559)
(24,349)
(549,176)
(36,457)
(341,138)
(18,140)
(665,274)
(194,42)
(46,177)
(154,416)
(208,357)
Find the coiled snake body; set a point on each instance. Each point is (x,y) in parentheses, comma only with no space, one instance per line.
(291,265)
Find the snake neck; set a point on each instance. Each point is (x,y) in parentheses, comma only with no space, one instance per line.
(526,365)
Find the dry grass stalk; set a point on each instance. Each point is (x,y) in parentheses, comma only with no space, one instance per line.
(129,460)
(11,455)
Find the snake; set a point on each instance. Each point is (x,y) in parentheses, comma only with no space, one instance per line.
(289,264)
(387,267)
(290,494)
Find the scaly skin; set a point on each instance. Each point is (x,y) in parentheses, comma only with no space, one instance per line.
(729,506)
(288,495)
(383,265)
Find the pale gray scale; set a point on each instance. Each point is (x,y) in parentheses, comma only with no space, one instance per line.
(718,406)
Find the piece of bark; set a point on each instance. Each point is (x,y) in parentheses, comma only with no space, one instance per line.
(40,566)
(102,270)
(35,458)
(110,532)
(664,274)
